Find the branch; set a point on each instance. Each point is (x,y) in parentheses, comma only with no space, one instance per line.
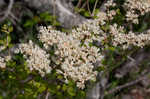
(94,8)
(88,6)
(29,78)
(79,4)
(64,11)
(47,95)
(132,63)
(127,84)
(8,11)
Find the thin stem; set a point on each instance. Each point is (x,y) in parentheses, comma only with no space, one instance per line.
(7,12)
(79,4)
(94,8)
(127,85)
(88,7)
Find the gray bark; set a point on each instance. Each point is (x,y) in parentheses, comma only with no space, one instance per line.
(62,9)
(97,92)
(2,3)
(131,65)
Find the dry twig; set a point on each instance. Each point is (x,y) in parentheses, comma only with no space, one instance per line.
(8,11)
(88,6)
(94,8)
(47,95)
(127,84)
(79,4)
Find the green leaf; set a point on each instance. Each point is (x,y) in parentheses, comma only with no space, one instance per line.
(71,91)
(81,94)
(71,83)
(56,23)
(1,97)
(37,84)
(36,19)
(46,17)
(10,29)
(41,89)
(60,77)
(87,14)
(8,39)
(58,87)
(1,42)
(29,23)
(90,44)
(64,88)
(92,1)
(52,89)
(111,48)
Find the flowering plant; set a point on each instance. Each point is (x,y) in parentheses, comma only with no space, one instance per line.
(69,61)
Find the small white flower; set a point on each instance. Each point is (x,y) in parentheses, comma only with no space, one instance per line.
(2,63)
(7,58)
(37,58)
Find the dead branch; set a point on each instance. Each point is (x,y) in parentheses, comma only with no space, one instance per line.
(132,63)
(128,84)
(8,11)
(47,95)
(93,12)
(88,6)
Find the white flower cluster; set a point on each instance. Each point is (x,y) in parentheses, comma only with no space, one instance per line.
(124,40)
(76,61)
(37,58)
(2,63)
(7,58)
(135,8)
(2,48)
(89,31)
(110,13)
(102,17)
(74,54)
(50,38)
(110,3)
